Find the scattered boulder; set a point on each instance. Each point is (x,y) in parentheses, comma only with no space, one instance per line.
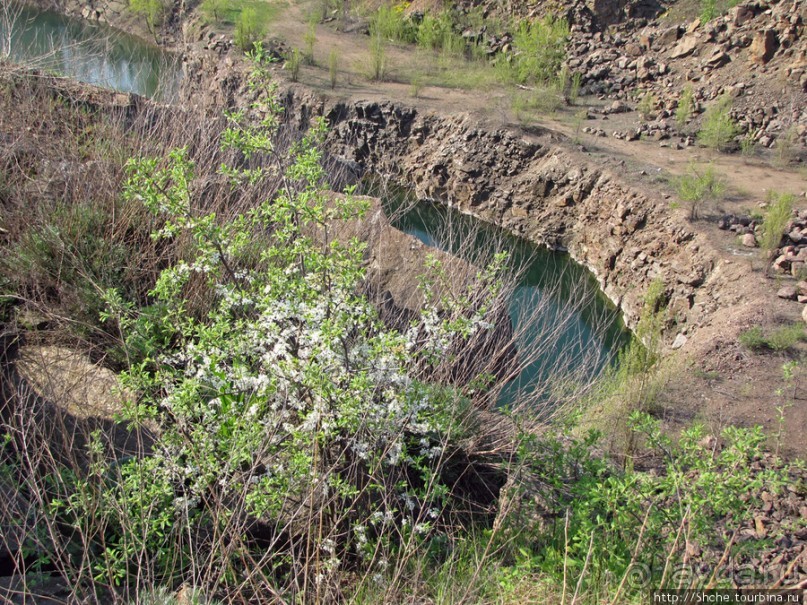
(787,292)
(740,15)
(668,36)
(619,107)
(685,47)
(763,47)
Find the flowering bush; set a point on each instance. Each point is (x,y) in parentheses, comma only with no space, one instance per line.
(298,436)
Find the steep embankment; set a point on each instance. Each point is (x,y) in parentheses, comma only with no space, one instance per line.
(532,185)
(538,190)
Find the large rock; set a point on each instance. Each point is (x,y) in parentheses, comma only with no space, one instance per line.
(668,36)
(685,47)
(787,292)
(739,15)
(763,47)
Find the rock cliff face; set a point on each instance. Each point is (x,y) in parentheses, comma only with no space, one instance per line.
(531,186)
(537,190)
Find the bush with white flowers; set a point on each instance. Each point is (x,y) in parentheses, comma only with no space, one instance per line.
(298,437)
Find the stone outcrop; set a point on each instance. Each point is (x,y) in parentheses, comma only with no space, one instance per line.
(587,15)
(530,186)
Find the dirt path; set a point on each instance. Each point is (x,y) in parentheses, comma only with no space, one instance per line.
(352,50)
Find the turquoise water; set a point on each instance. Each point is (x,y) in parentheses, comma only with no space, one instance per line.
(92,53)
(565,326)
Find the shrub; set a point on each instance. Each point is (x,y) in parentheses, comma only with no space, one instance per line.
(748,145)
(718,129)
(437,32)
(267,398)
(686,107)
(647,106)
(711,9)
(786,337)
(611,522)
(299,440)
(153,11)
(780,339)
(378,58)
(776,218)
(541,100)
(333,67)
(785,144)
(415,86)
(753,338)
(310,39)
(293,63)
(390,23)
(698,187)
(66,257)
(539,49)
(248,31)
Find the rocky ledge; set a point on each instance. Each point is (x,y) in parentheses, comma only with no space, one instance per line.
(539,190)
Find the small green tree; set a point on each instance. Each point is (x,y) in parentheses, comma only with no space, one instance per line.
(153,11)
(310,39)
(293,62)
(718,129)
(378,58)
(776,219)
(390,23)
(686,107)
(699,186)
(647,106)
(539,51)
(247,29)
